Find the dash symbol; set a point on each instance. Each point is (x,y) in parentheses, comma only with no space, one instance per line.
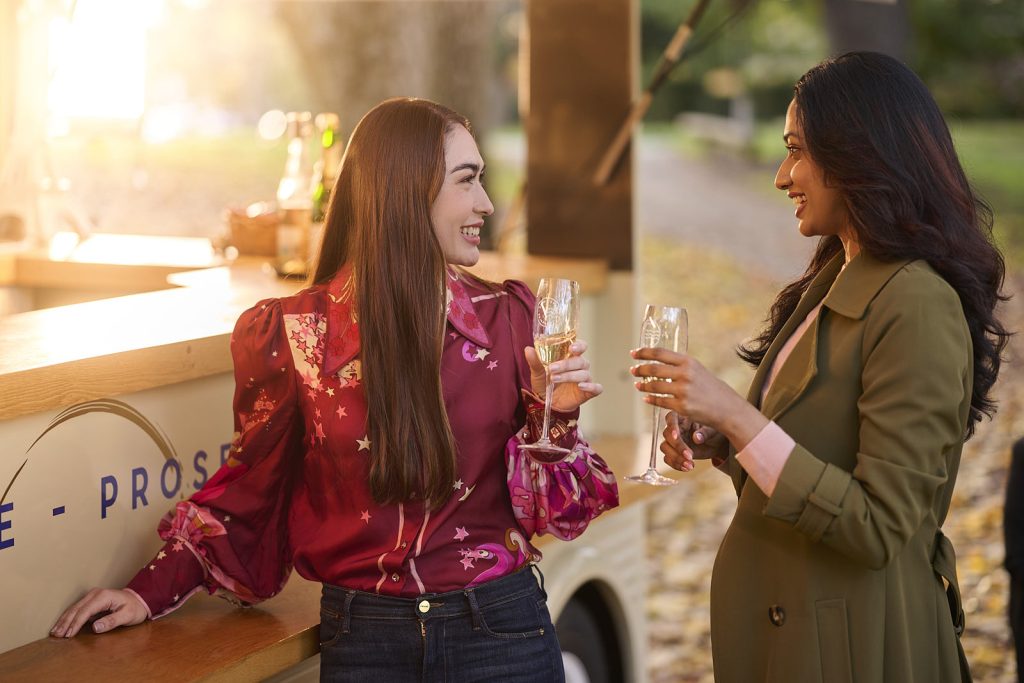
(58,511)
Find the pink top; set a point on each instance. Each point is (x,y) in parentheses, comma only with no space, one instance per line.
(766,454)
(294,491)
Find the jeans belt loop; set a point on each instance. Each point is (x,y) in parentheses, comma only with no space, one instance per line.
(474,609)
(346,619)
(540,578)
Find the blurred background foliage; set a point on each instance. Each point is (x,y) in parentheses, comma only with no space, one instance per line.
(969,52)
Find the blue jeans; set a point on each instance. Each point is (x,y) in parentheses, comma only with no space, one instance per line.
(497,631)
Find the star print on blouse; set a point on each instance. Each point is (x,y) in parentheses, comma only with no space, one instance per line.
(491,365)
(458,485)
(482,353)
(178,547)
(341,412)
(161,555)
(364,443)
(365,516)
(467,562)
(461,533)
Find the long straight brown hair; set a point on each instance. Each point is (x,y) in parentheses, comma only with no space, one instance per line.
(378,220)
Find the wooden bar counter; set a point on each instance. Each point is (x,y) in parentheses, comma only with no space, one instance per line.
(155,341)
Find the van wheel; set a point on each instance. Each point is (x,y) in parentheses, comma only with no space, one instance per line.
(581,640)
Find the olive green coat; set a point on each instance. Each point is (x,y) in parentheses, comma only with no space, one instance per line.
(839,575)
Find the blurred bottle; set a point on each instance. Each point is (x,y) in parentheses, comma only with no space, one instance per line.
(294,199)
(325,172)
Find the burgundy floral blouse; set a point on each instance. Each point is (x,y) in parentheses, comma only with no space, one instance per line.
(294,490)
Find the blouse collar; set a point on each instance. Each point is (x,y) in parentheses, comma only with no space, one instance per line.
(342,338)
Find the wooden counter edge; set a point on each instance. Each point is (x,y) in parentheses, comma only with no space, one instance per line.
(58,386)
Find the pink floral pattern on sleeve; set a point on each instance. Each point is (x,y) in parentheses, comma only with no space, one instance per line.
(559,498)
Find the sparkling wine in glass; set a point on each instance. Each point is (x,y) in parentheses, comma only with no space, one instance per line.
(555,318)
(663,327)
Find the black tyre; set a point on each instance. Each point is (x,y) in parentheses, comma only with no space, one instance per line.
(583,643)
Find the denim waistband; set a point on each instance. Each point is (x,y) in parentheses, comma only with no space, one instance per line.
(468,601)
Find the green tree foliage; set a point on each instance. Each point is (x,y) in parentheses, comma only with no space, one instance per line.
(969,52)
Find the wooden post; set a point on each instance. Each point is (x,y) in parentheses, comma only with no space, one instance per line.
(583,66)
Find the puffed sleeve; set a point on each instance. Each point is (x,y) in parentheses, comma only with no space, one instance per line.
(232,534)
(561,497)
(915,381)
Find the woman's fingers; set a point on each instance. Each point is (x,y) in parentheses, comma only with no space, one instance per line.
(92,604)
(570,364)
(124,609)
(681,460)
(577,376)
(128,611)
(659,355)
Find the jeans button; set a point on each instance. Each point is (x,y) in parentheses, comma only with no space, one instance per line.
(424,606)
(777,615)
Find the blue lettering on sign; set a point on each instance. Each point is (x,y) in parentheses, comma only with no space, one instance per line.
(200,455)
(5,542)
(173,465)
(107,500)
(139,492)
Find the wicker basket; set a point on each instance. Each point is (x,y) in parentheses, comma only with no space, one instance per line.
(253,235)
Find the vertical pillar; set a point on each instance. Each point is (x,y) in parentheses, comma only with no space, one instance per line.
(583,66)
(583,63)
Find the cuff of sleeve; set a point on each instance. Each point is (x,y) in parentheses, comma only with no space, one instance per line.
(765,456)
(809,493)
(561,430)
(168,579)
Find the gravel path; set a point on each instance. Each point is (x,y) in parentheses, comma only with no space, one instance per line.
(720,203)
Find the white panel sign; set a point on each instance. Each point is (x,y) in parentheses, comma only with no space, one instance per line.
(84,488)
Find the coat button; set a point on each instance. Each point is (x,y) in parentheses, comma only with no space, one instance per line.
(424,606)
(777,615)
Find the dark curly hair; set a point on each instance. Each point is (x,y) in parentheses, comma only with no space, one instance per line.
(876,132)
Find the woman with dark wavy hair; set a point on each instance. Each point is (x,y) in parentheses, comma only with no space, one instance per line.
(378,415)
(873,369)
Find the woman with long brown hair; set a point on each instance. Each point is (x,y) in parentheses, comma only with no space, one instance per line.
(873,369)
(378,415)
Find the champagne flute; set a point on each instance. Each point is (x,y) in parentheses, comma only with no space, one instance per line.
(663,327)
(554,330)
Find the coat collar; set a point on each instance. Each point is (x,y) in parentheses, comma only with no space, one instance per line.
(342,336)
(859,283)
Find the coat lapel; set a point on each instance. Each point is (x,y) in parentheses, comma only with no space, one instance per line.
(814,294)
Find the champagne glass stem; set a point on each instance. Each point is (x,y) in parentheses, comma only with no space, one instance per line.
(654,436)
(547,405)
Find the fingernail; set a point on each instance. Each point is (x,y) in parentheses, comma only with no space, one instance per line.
(99,627)
(675,435)
(698,437)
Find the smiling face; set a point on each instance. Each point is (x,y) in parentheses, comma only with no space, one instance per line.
(459,208)
(819,208)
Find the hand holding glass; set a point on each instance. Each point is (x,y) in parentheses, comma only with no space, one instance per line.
(663,327)
(555,318)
